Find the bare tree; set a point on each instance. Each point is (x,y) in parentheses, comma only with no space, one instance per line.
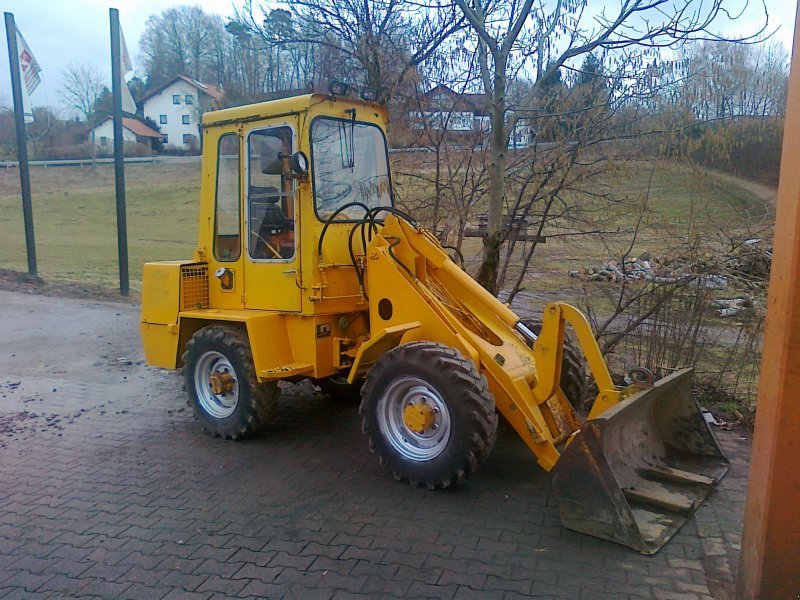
(81,86)
(377,42)
(512,36)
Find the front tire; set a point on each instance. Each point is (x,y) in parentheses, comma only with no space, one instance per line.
(224,392)
(429,414)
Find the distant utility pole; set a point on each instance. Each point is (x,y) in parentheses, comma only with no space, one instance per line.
(119,152)
(22,141)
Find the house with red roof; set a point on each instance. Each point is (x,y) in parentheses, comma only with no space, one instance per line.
(463,113)
(133,131)
(177,106)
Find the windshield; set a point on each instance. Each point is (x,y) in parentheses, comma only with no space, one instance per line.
(350,165)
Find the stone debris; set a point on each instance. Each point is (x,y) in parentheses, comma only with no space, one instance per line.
(746,266)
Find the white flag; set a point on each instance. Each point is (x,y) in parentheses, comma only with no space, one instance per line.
(128,105)
(30,74)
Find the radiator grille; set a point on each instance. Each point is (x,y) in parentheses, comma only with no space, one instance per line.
(194,286)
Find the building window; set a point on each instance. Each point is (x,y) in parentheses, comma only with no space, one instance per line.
(162,119)
(188,138)
(188,99)
(165,139)
(176,99)
(185,119)
(103,140)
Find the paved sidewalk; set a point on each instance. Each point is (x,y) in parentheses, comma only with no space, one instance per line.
(109,489)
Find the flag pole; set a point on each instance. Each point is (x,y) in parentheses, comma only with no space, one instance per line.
(119,152)
(22,142)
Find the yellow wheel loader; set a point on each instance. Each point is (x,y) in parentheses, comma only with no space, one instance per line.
(304,268)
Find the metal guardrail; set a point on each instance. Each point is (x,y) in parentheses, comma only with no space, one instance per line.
(84,162)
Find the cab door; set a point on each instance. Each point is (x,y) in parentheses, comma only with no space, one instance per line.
(271,226)
(221,218)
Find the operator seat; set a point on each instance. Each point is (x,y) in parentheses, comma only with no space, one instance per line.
(275,229)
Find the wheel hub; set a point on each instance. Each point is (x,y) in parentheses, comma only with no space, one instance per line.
(414,418)
(221,383)
(419,417)
(216,385)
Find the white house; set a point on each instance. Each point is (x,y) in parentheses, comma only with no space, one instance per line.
(176,107)
(464,113)
(132,131)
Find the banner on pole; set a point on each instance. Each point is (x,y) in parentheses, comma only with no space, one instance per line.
(128,105)
(30,72)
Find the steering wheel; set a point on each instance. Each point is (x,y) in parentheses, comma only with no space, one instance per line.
(266,244)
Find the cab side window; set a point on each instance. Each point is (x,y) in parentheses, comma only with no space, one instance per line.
(227,218)
(270,191)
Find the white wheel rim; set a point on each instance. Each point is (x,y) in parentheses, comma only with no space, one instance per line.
(416,446)
(222,405)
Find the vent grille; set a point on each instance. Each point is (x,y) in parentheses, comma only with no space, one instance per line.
(194,286)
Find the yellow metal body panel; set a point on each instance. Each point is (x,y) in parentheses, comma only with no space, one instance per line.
(308,316)
(160,308)
(283,345)
(272,284)
(411,279)
(219,297)
(160,344)
(162,302)
(383,341)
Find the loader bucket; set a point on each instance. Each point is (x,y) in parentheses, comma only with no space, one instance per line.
(637,472)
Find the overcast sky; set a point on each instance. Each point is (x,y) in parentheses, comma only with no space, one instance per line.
(62,30)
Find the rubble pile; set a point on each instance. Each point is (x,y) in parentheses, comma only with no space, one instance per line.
(745,268)
(644,268)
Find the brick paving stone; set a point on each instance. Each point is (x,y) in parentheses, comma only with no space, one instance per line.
(214,553)
(282,559)
(261,589)
(63,585)
(423,590)
(144,592)
(133,501)
(426,575)
(507,585)
(103,588)
(372,555)
(342,567)
(183,581)
(327,550)
(30,582)
(227,586)
(250,571)
(176,594)
(471,580)
(212,567)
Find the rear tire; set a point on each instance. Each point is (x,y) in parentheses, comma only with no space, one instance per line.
(573,368)
(224,393)
(429,414)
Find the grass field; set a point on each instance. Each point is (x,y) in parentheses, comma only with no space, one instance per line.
(75,219)
(75,222)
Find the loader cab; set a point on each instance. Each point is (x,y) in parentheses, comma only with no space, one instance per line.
(274,174)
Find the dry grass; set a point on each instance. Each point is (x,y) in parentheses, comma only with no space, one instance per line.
(75,219)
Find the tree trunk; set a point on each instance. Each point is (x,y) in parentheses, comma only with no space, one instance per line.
(437,200)
(492,239)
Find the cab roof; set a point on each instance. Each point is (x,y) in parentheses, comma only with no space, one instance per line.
(281,106)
